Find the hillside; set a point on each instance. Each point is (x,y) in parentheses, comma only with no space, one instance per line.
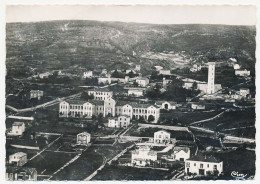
(91,44)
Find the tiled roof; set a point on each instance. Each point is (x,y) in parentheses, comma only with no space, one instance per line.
(76,102)
(179,148)
(163,131)
(161,102)
(100,89)
(139,105)
(84,133)
(20,154)
(18,123)
(204,158)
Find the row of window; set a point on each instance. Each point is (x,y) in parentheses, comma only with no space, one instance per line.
(201,165)
(160,136)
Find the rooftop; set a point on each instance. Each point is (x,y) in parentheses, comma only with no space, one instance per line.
(84,133)
(100,89)
(18,123)
(204,158)
(162,131)
(20,154)
(179,148)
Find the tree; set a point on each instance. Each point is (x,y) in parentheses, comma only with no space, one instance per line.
(154,92)
(131,74)
(86,96)
(194,85)
(151,118)
(117,74)
(141,119)
(135,84)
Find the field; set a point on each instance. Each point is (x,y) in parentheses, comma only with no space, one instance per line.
(48,162)
(130,173)
(237,123)
(186,118)
(89,161)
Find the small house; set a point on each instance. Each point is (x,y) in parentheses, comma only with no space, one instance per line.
(83,138)
(18,129)
(162,137)
(203,165)
(18,159)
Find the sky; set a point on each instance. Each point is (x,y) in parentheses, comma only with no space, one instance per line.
(156,14)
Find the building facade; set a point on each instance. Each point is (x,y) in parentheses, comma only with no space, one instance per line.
(166,105)
(88,74)
(101,93)
(18,129)
(203,165)
(36,94)
(18,159)
(162,137)
(109,107)
(137,92)
(180,153)
(143,82)
(83,138)
(119,122)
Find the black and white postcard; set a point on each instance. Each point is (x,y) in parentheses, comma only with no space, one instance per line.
(130,92)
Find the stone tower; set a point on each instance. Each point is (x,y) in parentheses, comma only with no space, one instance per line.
(211,78)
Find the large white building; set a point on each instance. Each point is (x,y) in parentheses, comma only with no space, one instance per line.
(78,108)
(162,137)
(203,165)
(143,156)
(211,78)
(109,107)
(100,93)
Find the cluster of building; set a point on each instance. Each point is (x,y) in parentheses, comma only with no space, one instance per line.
(104,104)
(145,156)
(210,87)
(108,107)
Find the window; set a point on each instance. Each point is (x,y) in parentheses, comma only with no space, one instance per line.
(201,166)
(187,164)
(208,165)
(215,167)
(194,164)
